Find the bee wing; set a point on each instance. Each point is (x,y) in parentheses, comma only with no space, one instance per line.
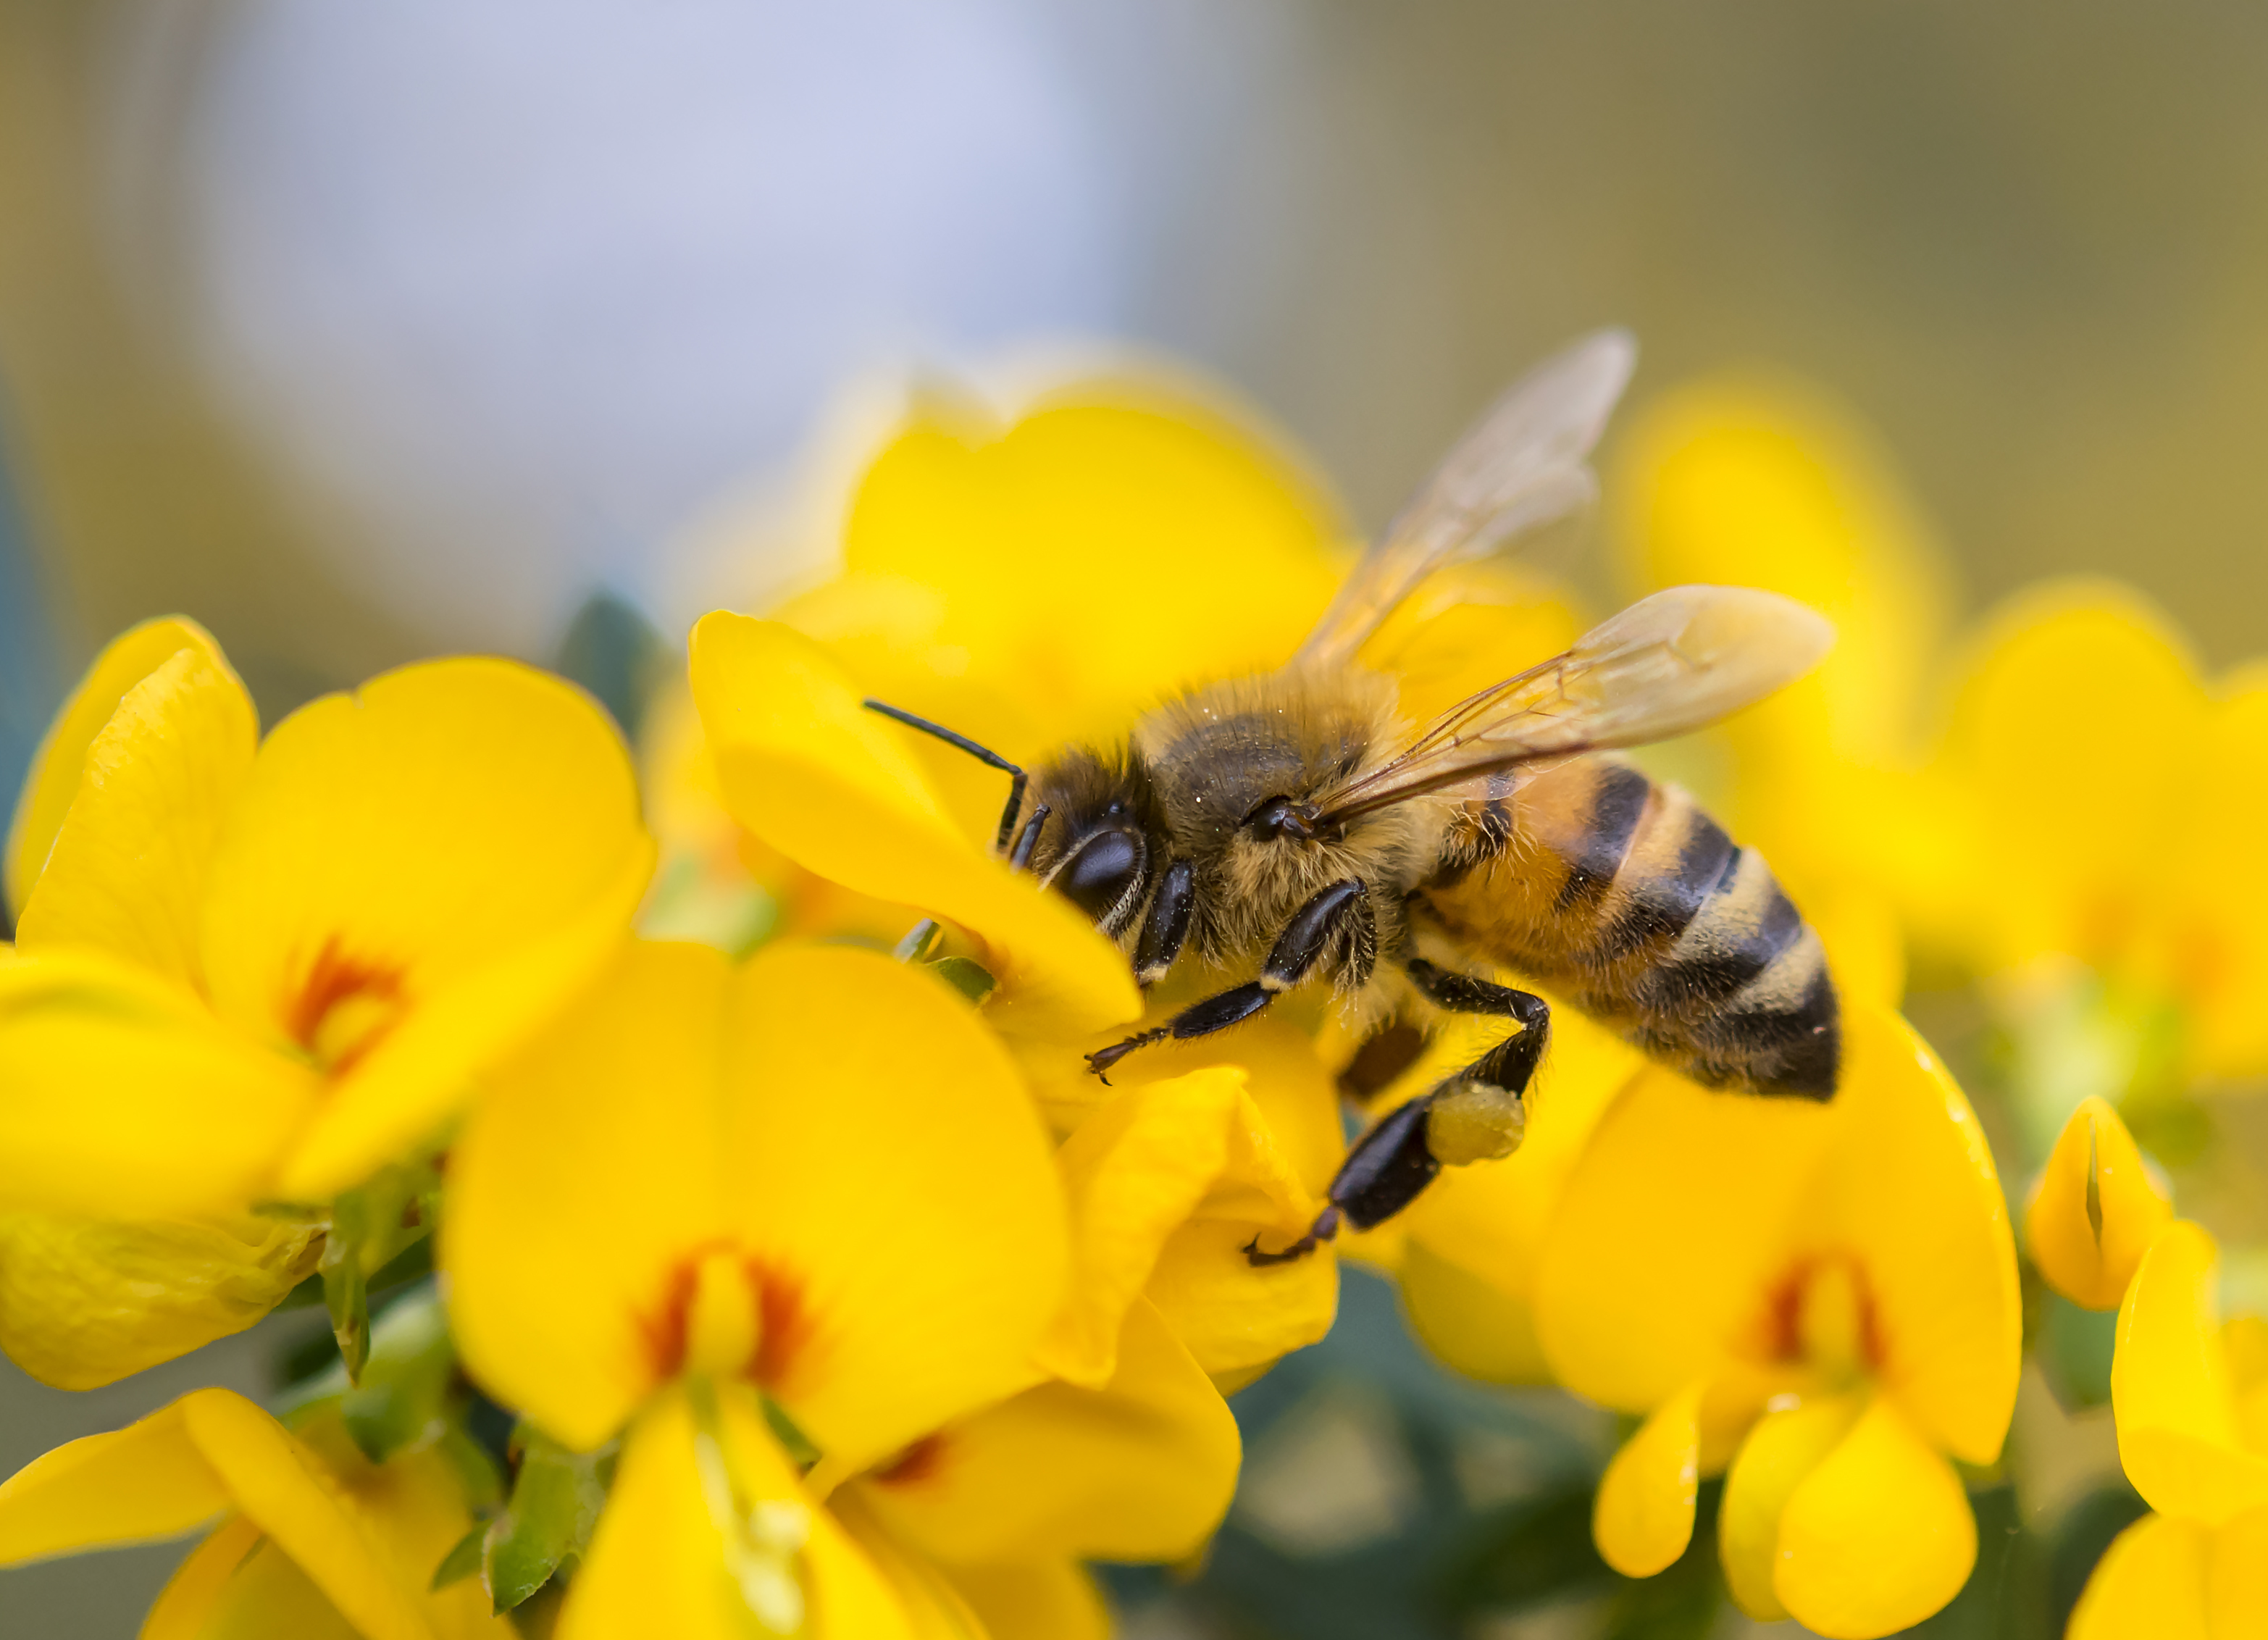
(1668,664)
(1521,466)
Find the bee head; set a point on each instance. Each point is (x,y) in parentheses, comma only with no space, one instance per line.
(1100,841)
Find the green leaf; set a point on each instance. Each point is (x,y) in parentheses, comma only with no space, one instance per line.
(556,1499)
(461,1562)
(2075,1349)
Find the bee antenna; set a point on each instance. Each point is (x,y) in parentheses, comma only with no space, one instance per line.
(982,754)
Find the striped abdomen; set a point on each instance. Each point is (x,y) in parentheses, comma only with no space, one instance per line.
(1626,899)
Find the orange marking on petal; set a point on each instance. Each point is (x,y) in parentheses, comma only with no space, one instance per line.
(917,1463)
(342,990)
(784,1325)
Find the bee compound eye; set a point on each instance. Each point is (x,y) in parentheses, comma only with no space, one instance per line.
(1102,873)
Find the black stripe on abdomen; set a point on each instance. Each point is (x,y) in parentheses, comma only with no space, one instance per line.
(1743,923)
(1617,802)
(1659,906)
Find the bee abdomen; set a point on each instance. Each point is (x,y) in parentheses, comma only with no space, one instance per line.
(1651,918)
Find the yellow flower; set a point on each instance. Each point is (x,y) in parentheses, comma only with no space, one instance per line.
(313,1541)
(2084,729)
(2190,1396)
(1755,483)
(1172,1172)
(813,1182)
(251,972)
(2095,1209)
(1822,1298)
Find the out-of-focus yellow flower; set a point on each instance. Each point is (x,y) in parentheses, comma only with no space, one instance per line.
(2083,730)
(2190,1396)
(1760,483)
(2095,1209)
(1823,1297)
(255,971)
(314,1540)
(815,1181)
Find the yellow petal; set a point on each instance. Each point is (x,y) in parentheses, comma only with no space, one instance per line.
(2236,1578)
(561,1299)
(2095,1209)
(889,1176)
(834,788)
(1138,1170)
(676,1532)
(1473,1326)
(1785,1446)
(85,1302)
(927,1602)
(127,869)
(185,1609)
(211,1449)
(1237,1320)
(2219,936)
(147,1480)
(396,1094)
(1054,1600)
(2149,1582)
(419,839)
(1669,1230)
(2170,1387)
(1643,1516)
(121,1097)
(56,771)
(1878,1536)
(1910,1191)
(281,1487)
(1138,1470)
(267,1594)
(2066,669)
(1029,531)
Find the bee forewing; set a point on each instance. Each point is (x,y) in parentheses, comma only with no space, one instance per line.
(1520,466)
(1666,665)
(1684,658)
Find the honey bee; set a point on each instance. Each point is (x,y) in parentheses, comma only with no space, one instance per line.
(1291,825)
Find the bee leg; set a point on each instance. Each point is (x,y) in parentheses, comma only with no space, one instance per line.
(1476,1115)
(1166,929)
(1381,1176)
(1342,906)
(1511,1064)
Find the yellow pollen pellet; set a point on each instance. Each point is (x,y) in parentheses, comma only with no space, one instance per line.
(1473,1122)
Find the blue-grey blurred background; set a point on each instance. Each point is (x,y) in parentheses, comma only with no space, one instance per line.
(362,331)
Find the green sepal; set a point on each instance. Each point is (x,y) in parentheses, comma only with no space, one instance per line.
(401,1400)
(371,1225)
(964,974)
(347,1298)
(461,1562)
(556,1499)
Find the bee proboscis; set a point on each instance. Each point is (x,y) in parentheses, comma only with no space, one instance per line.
(1291,825)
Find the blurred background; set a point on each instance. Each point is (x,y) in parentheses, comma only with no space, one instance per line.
(359,333)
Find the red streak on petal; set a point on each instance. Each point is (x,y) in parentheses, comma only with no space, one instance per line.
(786,1325)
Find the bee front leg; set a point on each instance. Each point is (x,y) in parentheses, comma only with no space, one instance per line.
(1480,1112)
(1341,908)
